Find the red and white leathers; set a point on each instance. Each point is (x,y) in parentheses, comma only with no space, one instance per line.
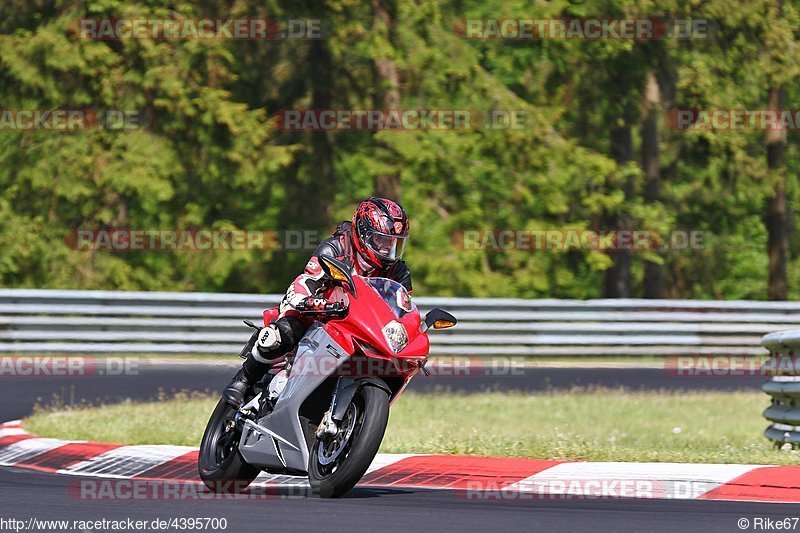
(339,246)
(291,324)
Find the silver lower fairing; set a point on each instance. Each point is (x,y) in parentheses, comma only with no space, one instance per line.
(277,442)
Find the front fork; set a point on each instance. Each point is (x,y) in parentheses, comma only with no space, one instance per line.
(343,394)
(328,427)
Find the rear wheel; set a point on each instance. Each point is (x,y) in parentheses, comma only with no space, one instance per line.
(219,462)
(337,463)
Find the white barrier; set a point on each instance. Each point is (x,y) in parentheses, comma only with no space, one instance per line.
(46,321)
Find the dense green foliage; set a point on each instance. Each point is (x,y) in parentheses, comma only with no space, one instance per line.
(209,154)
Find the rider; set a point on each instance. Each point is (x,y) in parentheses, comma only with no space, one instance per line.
(372,244)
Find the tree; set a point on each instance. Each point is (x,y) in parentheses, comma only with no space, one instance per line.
(775,210)
(387,90)
(651,166)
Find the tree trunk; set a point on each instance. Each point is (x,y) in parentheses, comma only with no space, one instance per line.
(775,212)
(309,181)
(312,193)
(653,278)
(618,277)
(387,93)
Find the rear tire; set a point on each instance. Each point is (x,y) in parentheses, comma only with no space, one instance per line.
(219,462)
(371,405)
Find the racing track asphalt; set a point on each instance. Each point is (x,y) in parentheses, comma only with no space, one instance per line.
(146,380)
(25,494)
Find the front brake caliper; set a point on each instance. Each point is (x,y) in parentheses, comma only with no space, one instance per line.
(327,426)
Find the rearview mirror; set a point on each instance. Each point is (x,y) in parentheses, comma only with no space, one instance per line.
(438,319)
(337,271)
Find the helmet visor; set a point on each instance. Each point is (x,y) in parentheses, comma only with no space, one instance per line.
(389,247)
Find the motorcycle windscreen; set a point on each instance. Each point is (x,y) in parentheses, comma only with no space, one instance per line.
(394,294)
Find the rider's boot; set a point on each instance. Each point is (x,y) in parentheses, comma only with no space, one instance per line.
(251,372)
(262,356)
(273,342)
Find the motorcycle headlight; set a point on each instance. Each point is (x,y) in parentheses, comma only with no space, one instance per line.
(395,335)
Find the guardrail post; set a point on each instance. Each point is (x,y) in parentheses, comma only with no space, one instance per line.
(783,387)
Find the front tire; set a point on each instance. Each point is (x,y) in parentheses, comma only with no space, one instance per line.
(219,462)
(335,467)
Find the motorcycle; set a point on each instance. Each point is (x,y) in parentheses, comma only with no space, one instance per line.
(324,415)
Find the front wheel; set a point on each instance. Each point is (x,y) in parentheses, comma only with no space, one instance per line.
(337,463)
(219,462)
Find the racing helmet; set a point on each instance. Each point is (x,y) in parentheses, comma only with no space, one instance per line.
(380,231)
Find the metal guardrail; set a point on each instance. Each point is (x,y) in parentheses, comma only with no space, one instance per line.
(784,387)
(52,321)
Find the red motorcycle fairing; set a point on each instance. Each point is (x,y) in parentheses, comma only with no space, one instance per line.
(270,315)
(361,331)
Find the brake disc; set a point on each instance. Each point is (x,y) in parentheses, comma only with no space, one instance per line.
(340,440)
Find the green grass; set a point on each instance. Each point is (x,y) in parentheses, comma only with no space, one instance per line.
(597,425)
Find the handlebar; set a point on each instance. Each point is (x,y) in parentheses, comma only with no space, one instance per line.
(333,309)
